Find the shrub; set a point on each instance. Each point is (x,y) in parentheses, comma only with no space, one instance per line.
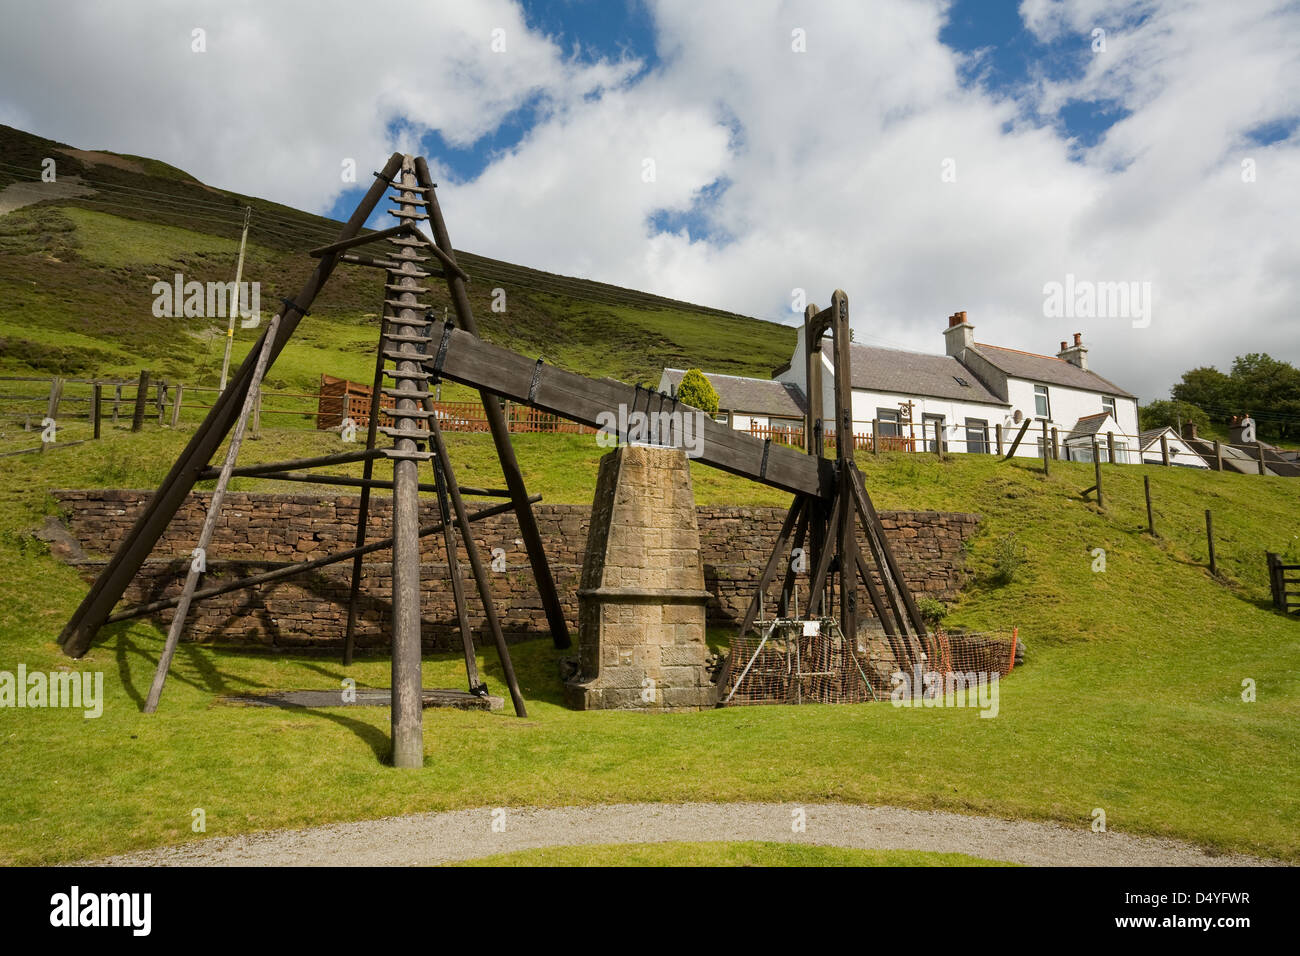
(696,391)
(932,612)
(1009,555)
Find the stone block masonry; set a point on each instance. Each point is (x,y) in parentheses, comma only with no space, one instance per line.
(641,618)
(259,531)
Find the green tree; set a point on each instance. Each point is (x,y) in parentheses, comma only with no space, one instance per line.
(1172,413)
(698,392)
(1209,389)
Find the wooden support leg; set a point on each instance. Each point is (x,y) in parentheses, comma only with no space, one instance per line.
(476,566)
(149,527)
(528,530)
(363,504)
(788,584)
(476,685)
(773,562)
(818,584)
(199,562)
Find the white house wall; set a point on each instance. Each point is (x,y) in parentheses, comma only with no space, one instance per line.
(1068,405)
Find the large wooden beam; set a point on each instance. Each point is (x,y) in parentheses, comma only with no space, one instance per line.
(468,360)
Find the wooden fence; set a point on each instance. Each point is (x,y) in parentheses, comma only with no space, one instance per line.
(1284,585)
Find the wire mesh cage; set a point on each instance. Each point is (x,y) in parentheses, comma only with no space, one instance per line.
(794,661)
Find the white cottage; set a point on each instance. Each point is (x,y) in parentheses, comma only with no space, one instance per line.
(962,396)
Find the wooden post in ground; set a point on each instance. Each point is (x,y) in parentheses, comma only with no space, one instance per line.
(198,563)
(161,398)
(1259,450)
(1164,450)
(1110,447)
(56,396)
(176,405)
(117,400)
(97,406)
(938,439)
(998,430)
(1047,452)
(1056,445)
(1218,455)
(1151,521)
(141,396)
(875,436)
(1096,469)
(1209,537)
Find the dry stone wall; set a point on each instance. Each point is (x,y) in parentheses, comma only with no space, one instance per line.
(260,531)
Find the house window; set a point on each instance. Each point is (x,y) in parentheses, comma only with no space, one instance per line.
(722,418)
(932,427)
(1108,405)
(1042,407)
(888,418)
(977,436)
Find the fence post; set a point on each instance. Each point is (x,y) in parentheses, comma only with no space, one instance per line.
(1096,468)
(1151,520)
(1274,580)
(1164,450)
(1218,454)
(1056,446)
(160,396)
(117,400)
(1047,452)
(938,439)
(56,396)
(875,436)
(997,428)
(1259,448)
(96,406)
(141,396)
(176,405)
(1110,447)
(1209,537)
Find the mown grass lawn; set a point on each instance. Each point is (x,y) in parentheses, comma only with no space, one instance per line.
(1131,699)
(724,854)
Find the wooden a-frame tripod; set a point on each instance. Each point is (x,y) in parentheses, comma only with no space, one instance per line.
(404,343)
(825,527)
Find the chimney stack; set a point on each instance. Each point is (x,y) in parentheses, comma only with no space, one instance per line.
(1189,430)
(1076,354)
(959,335)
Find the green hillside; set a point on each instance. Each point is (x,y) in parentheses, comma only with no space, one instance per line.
(1130,699)
(76,277)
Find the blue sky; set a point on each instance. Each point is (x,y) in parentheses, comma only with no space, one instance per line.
(1003,57)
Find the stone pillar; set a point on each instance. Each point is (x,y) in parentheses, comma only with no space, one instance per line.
(641,604)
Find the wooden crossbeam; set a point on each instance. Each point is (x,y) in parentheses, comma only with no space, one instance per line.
(468,360)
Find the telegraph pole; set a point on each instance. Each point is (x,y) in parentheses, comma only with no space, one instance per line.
(234,298)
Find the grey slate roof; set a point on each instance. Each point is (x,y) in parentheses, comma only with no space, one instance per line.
(737,394)
(1089,424)
(916,373)
(1048,369)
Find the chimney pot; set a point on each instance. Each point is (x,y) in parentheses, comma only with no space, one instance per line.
(1078,338)
(1063,346)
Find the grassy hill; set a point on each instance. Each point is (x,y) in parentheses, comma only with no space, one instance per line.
(76,275)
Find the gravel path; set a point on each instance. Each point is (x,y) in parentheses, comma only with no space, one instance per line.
(429,838)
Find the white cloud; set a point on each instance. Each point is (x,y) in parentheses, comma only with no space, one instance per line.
(832,157)
(284,91)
